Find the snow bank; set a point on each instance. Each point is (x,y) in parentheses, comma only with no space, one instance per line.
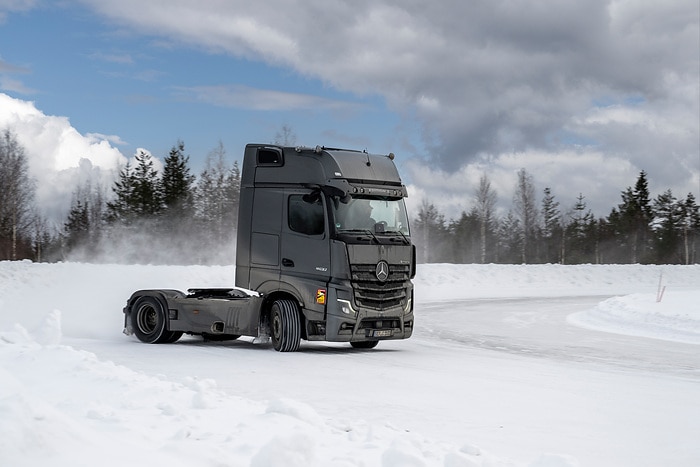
(451,281)
(676,317)
(63,407)
(60,406)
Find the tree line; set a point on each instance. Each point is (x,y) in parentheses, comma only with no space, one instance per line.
(147,216)
(662,230)
(174,217)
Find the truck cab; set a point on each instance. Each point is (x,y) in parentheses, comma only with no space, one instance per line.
(323,253)
(328,229)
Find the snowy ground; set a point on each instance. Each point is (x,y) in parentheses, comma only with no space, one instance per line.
(542,366)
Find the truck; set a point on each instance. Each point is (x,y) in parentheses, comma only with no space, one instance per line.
(323,253)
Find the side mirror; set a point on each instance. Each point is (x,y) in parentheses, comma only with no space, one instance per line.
(313,197)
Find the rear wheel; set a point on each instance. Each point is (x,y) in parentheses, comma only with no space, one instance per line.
(148,322)
(285,326)
(364,344)
(174,337)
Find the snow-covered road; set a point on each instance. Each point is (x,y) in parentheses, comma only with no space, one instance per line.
(499,374)
(492,376)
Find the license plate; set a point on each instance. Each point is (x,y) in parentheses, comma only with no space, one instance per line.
(382,333)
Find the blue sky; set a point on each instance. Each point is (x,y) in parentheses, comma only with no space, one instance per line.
(144,89)
(583,95)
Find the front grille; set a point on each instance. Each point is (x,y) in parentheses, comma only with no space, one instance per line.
(372,293)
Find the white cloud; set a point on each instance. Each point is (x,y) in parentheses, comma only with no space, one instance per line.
(245,97)
(495,85)
(599,177)
(7,6)
(484,77)
(60,158)
(14,85)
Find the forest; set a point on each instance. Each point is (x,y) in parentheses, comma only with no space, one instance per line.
(174,217)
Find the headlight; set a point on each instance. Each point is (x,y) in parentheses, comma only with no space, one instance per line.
(346,307)
(409,306)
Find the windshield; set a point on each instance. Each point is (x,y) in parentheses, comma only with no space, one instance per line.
(377,215)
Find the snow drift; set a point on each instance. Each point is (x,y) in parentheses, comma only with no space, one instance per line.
(64,406)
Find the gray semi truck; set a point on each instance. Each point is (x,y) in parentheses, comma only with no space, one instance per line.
(323,253)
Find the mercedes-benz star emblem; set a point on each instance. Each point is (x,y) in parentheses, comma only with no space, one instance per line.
(382,271)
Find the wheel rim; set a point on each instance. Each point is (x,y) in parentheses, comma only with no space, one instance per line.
(276,325)
(147,319)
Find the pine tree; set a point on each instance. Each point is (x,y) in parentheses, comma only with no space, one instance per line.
(690,228)
(147,194)
(76,229)
(178,196)
(82,230)
(509,239)
(177,182)
(430,231)
(631,219)
(579,233)
(465,238)
(665,225)
(551,228)
(119,210)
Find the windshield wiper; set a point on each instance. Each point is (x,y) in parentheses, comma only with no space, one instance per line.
(364,231)
(398,232)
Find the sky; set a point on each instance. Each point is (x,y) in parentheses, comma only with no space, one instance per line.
(583,95)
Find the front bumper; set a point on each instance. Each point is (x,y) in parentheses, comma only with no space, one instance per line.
(345,322)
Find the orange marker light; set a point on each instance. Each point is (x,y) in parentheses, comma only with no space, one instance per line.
(321,296)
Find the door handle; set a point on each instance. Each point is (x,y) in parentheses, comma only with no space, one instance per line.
(286,262)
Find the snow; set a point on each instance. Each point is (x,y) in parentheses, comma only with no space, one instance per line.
(532,365)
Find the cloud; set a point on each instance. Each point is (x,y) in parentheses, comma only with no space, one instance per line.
(599,177)
(11,84)
(9,6)
(591,92)
(482,77)
(98,137)
(118,58)
(60,158)
(245,97)
(10,68)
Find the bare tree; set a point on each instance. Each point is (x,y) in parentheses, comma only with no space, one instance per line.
(285,136)
(526,211)
(17,191)
(485,204)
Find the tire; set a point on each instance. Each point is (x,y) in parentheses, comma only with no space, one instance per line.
(285,326)
(364,344)
(174,337)
(148,322)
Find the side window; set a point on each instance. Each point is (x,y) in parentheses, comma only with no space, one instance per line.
(306,214)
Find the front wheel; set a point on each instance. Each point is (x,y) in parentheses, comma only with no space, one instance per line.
(285,326)
(148,322)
